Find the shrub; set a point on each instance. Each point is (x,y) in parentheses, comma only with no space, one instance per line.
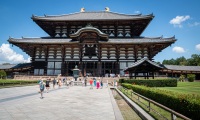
(186,104)
(181,78)
(2,74)
(152,82)
(191,77)
(12,82)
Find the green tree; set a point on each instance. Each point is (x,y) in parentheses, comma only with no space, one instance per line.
(193,61)
(191,77)
(181,61)
(182,78)
(2,74)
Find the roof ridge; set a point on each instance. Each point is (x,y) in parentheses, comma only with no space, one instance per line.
(35,16)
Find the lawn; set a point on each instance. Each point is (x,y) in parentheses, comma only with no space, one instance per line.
(185,87)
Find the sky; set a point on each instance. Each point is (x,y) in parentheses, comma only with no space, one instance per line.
(179,18)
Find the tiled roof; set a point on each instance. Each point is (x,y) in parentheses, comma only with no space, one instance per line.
(3,67)
(40,40)
(111,40)
(182,68)
(22,65)
(139,62)
(89,28)
(86,16)
(141,40)
(15,66)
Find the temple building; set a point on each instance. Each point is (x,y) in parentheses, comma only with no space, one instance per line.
(99,43)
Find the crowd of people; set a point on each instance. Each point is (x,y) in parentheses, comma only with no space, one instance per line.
(60,81)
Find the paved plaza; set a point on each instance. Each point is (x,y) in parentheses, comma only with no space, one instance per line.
(75,103)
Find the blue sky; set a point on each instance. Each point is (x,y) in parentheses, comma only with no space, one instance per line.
(172,17)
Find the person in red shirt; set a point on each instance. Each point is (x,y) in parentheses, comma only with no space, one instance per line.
(91,83)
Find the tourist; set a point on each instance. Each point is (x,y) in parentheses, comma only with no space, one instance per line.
(67,83)
(98,84)
(85,81)
(57,80)
(94,82)
(91,83)
(42,86)
(39,81)
(48,84)
(59,83)
(106,83)
(54,82)
(101,84)
(64,78)
(72,81)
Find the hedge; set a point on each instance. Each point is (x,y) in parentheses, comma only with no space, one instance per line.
(186,104)
(11,82)
(152,82)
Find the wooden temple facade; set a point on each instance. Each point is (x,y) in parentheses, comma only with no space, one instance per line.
(99,43)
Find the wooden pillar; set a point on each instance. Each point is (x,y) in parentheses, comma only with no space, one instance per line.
(135,75)
(99,66)
(153,75)
(104,68)
(32,61)
(135,53)
(46,50)
(94,69)
(66,64)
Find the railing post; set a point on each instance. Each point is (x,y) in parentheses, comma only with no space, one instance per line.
(131,94)
(173,117)
(149,106)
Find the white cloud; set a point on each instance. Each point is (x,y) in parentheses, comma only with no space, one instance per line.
(197,47)
(178,49)
(178,20)
(8,55)
(194,24)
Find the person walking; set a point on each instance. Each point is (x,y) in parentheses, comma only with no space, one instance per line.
(67,83)
(98,84)
(91,83)
(85,81)
(106,83)
(54,82)
(94,82)
(42,86)
(59,83)
(48,84)
(101,84)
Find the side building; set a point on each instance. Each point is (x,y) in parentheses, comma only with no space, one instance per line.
(98,43)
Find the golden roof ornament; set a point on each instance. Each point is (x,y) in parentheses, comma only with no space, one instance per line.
(107,9)
(82,9)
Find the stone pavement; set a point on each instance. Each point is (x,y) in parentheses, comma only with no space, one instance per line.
(75,103)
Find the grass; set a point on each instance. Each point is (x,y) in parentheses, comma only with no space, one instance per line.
(185,87)
(156,112)
(127,112)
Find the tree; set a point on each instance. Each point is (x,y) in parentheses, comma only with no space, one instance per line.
(193,61)
(2,74)
(191,77)
(182,78)
(181,61)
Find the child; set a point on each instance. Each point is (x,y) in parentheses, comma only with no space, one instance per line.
(91,82)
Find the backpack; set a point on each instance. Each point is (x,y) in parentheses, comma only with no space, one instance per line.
(41,86)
